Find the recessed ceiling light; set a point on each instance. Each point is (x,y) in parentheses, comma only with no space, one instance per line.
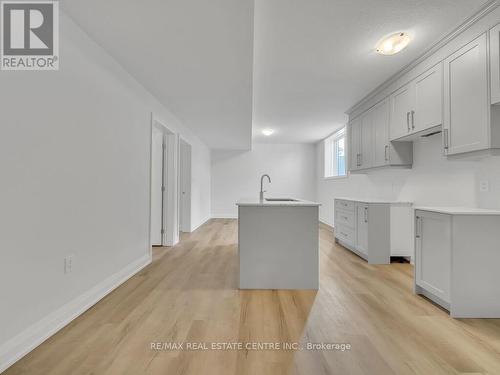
(393,44)
(267,132)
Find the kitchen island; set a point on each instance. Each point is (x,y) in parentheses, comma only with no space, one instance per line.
(278,244)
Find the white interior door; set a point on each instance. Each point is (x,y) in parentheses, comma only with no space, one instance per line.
(156,187)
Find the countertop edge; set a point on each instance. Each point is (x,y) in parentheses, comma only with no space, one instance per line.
(460,211)
(375,201)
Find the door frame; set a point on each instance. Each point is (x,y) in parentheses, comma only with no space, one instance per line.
(156,131)
(185,171)
(170,172)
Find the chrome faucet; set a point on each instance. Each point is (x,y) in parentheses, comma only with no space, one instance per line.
(261,196)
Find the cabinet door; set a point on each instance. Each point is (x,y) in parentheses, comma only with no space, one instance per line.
(354,135)
(466,105)
(366,159)
(362,228)
(495,64)
(428,107)
(433,253)
(381,134)
(401,106)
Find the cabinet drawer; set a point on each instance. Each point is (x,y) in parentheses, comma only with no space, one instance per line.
(344,234)
(345,218)
(344,205)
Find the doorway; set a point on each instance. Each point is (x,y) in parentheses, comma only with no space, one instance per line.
(163,210)
(184,186)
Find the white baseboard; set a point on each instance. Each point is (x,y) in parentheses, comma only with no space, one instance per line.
(30,338)
(200,224)
(324,221)
(224,216)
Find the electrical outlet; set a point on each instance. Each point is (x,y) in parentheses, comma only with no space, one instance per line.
(484,186)
(68,264)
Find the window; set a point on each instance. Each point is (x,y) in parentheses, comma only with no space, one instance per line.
(335,151)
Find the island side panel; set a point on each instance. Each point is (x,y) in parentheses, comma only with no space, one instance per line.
(475,275)
(278,247)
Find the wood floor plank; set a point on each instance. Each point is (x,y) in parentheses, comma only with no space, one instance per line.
(190,294)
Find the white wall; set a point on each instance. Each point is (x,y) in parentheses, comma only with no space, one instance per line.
(434,180)
(75,169)
(200,184)
(236,174)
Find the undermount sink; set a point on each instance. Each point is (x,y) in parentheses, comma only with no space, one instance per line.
(281,200)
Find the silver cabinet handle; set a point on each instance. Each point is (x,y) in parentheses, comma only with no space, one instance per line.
(445,139)
(413,119)
(418,228)
(385,152)
(408,120)
(366,214)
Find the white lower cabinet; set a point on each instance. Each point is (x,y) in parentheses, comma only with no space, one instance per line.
(457,254)
(362,228)
(374,230)
(433,254)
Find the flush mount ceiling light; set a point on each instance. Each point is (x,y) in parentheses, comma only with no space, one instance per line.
(267,132)
(393,44)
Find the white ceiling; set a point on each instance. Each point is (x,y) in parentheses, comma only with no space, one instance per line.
(311,60)
(195,56)
(314,59)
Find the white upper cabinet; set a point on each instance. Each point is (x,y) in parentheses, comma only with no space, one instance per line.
(366,158)
(466,103)
(380,123)
(455,90)
(495,64)
(418,106)
(428,100)
(360,136)
(401,106)
(354,137)
(369,140)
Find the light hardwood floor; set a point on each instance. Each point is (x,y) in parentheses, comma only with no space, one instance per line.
(189,294)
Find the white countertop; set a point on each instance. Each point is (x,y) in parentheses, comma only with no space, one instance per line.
(373,200)
(460,210)
(258,203)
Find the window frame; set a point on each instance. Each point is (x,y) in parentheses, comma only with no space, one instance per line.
(328,144)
